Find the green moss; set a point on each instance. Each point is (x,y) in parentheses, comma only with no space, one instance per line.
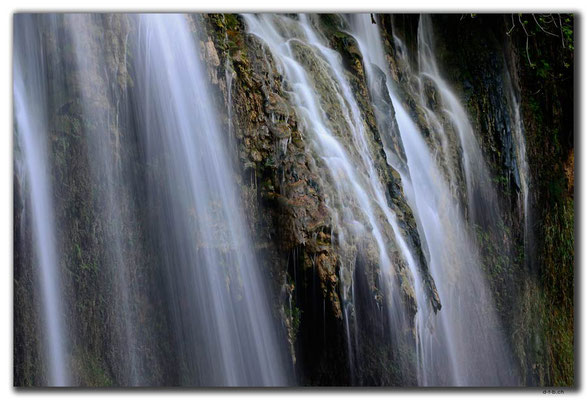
(294,315)
(91,370)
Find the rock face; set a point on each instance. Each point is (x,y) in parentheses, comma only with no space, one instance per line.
(315,264)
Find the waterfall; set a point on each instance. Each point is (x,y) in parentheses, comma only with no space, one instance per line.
(30,94)
(465,335)
(219,306)
(329,109)
(156,258)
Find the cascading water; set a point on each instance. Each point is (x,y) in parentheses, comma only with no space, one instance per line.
(481,199)
(465,334)
(218,303)
(371,204)
(522,172)
(30,94)
(367,36)
(220,308)
(334,125)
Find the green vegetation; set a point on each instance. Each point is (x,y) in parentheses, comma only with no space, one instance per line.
(540,28)
(557,279)
(549,120)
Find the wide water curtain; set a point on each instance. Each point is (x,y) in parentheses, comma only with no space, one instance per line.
(192,259)
(219,306)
